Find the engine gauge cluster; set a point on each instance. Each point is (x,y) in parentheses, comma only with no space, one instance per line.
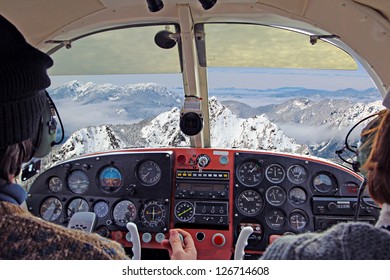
(283,193)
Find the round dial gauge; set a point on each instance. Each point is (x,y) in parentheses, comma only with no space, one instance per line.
(77,205)
(184,211)
(298,220)
(153,213)
(349,189)
(78,182)
(275,219)
(101,209)
(297,174)
(55,184)
(324,183)
(249,173)
(275,173)
(275,196)
(50,209)
(124,212)
(249,202)
(149,173)
(297,196)
(110,179)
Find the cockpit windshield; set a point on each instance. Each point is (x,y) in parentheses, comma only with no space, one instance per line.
(266,88)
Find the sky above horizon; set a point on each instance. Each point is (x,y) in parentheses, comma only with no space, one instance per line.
(273,58)
(254,78)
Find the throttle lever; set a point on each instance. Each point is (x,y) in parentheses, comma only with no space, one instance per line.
(242,241)
(134,238)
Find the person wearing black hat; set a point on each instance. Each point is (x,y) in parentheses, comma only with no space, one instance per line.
(28,130)
(23,103)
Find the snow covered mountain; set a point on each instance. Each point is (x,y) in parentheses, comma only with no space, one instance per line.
(227,130)
(88,140)
(320,124)
(333,112)
(83,105)
(146,93)
(299,125)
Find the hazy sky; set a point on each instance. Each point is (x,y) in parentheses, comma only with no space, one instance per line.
(134,51)
(243,78)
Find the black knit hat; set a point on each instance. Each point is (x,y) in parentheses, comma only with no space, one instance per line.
(23,79)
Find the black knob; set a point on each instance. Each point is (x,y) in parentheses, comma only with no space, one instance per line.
(332,206)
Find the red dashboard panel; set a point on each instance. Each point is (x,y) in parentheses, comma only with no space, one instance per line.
(211,193)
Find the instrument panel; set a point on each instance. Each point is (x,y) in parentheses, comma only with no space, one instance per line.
(211,193)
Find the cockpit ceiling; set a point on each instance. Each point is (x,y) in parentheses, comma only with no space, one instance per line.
(46,19)
(381,6)
(362,25)
(41,18)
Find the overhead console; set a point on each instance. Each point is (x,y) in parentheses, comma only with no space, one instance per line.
(211,193)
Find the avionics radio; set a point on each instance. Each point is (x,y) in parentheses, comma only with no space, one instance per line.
(202,198)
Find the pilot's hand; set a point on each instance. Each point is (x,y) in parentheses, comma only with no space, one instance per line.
(180,249)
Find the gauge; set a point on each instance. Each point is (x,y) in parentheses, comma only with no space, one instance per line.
(349,189)
(249,202)
(55,184)
(110,179)
(78,182)
(297,174)
(101,209)
(275,196)
(298,220)
(297,196)
(77,205)
(124,212)
(184,211)
(50,209)
(249,173)
(275,219)
(324,183)
(275,173)
(149,173)
(152,214)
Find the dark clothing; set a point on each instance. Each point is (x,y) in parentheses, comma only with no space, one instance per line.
(24,236)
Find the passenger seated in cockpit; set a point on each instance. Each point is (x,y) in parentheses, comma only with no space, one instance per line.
(23,102)
(352,240)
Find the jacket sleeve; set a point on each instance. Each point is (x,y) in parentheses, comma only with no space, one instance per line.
(331,244)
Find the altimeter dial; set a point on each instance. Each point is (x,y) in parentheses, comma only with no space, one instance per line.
(250,173)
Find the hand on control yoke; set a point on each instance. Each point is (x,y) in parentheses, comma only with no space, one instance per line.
(180,248)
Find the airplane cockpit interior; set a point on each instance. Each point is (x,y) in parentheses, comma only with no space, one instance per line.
(223,118)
